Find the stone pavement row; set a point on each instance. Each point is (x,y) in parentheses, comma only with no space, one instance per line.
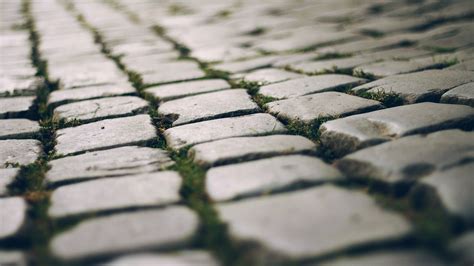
(242,141)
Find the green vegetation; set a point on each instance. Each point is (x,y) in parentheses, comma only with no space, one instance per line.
(388,99)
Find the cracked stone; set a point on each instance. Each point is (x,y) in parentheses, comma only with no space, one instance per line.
(349,134)
(6,178)
(93,110)
(190,88)
(181,258)
(419,86)
(452,188)
(226,150)
(105,134)
(152,189)
(321,105)
(208,106)
(19,151)
(309,85)
(13,216)
(18,129)
(314,229)
(115,234)
(59,97)
(242,126)
(408,159)
(267,175)
(130,160)
(463,94)
(15,107)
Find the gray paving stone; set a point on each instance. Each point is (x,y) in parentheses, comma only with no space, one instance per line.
(331,65)
(183,89)
(164,228)
(208,106)
(451,188)
(18,128)
(93,110)
(181,258)
(221,53)
(246,65)
(314,228)
(10,257)
(19,86)
(463,94)
(6,178)
(462,247)
(270,75)
(467,65)
(267,175)
(351,133)
(136,60)
(249,125)
(152,189)
(13,107)
(303,86)
(13,216)
(393,67)
(19,151)
(408,159)
(129,160)
(105,134)
(226,150)
(321,105)
(59,97)
(173,72)
(388,258)
(419,86)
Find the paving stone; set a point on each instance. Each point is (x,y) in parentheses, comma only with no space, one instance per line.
(13,107)
(246,65)
(226,150)
(451,188)
(10,257)
(164,228)
(331,65)
(93,110)
(314,229)
(408,159)
(59,97)
(467,65)
(267,175)
(173,72)
(208,106)
(270,75)
(220,53)
(105,134)
(129,160)
(18,128)
(393,67)
(462,247)
(463,94)
(152,189)
(303,86)
(351,133)
(181,258)
(388,258)
(419,86)
(249,125)
(13,216)
(183,89)
(321,105)
(136,60)
(19,86)
(6,178)
(16,151)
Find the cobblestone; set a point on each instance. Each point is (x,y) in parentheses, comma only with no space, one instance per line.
(173,72)
(267,175)
(12,258)
(208,106)
(19,86)
(19,152)
(13,216)
(122,161)
(270,75)
(463,94)
(170,227)
(193,257)
(190,88)
(6,177)
(348,134)
(314,229)
(93,110)
(105,134)
(15,107)
(18,129)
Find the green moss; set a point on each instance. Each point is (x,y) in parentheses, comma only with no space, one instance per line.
(215,74)
(178,9)
(257,31)
(361,74)
(224,13)
(388,99)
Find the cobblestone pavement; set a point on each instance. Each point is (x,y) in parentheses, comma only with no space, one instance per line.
(237,132)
